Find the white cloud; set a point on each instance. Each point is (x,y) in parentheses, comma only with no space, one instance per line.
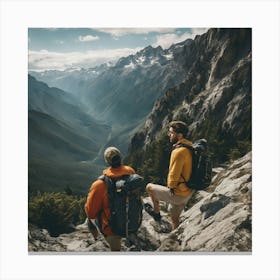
(88,38)
(166,40)
(45,60)
(118,32)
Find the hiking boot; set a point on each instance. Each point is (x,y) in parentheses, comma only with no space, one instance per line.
(150,210)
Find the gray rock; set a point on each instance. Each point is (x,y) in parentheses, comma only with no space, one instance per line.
(216,221)
(216,90)
(221,221)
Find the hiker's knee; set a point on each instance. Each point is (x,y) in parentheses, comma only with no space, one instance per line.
(149,188)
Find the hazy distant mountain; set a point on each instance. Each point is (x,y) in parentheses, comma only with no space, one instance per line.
(72,80)
(122,95)
(126,92)
(65,107)
(60,135)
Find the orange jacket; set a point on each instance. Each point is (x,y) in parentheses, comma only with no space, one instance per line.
(180,164)
(97,199)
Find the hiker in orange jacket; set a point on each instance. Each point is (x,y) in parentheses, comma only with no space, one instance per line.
(177,194)
(97,199)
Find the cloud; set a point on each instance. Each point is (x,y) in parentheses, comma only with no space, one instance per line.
(88,38)
(118,32)
(166,40)
(45,60)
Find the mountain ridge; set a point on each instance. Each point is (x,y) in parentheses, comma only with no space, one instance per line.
(215,103)
(71,79)
(62,138)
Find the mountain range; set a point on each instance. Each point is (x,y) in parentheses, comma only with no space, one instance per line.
(206,82)
(71,80)
(214,98)
(62,139)
(128,90)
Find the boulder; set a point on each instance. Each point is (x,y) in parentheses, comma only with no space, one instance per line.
(222,220)
(218,219)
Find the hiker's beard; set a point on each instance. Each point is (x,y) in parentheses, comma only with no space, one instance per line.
(174,139)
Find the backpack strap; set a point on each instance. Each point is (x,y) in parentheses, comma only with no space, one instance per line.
(184,145)
(187,147)
(107,182)
(102,177)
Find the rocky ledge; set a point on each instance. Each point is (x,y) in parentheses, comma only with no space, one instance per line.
(216,220)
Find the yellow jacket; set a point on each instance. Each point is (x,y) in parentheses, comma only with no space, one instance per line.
(180,164)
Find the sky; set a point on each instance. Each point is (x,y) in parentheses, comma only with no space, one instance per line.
(61,48)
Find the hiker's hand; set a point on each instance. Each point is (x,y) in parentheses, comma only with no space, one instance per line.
(172,192)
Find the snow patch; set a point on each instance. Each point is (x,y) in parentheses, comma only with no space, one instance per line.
(168,56)
(140,60)
(131,65)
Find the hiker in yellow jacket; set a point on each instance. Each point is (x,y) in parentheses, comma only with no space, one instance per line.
(177,194)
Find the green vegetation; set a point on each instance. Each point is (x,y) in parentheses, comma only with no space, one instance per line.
(241,149)
(53,176)
(224,145)
(56,212)
(152,162)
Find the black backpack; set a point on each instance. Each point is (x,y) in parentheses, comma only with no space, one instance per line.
(125,203)
(201,165)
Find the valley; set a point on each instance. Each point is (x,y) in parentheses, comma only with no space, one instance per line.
(76,113)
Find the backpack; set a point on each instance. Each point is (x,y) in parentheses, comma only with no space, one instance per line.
(125,203)
(201,165)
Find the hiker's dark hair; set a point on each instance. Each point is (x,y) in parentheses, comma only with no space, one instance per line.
(116,161)
(179,127)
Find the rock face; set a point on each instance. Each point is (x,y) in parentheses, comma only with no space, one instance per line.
(221,220)
(126,92)
(80,240)
(215,97)
(216,220)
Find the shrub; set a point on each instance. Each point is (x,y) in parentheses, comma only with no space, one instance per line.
(56,212)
